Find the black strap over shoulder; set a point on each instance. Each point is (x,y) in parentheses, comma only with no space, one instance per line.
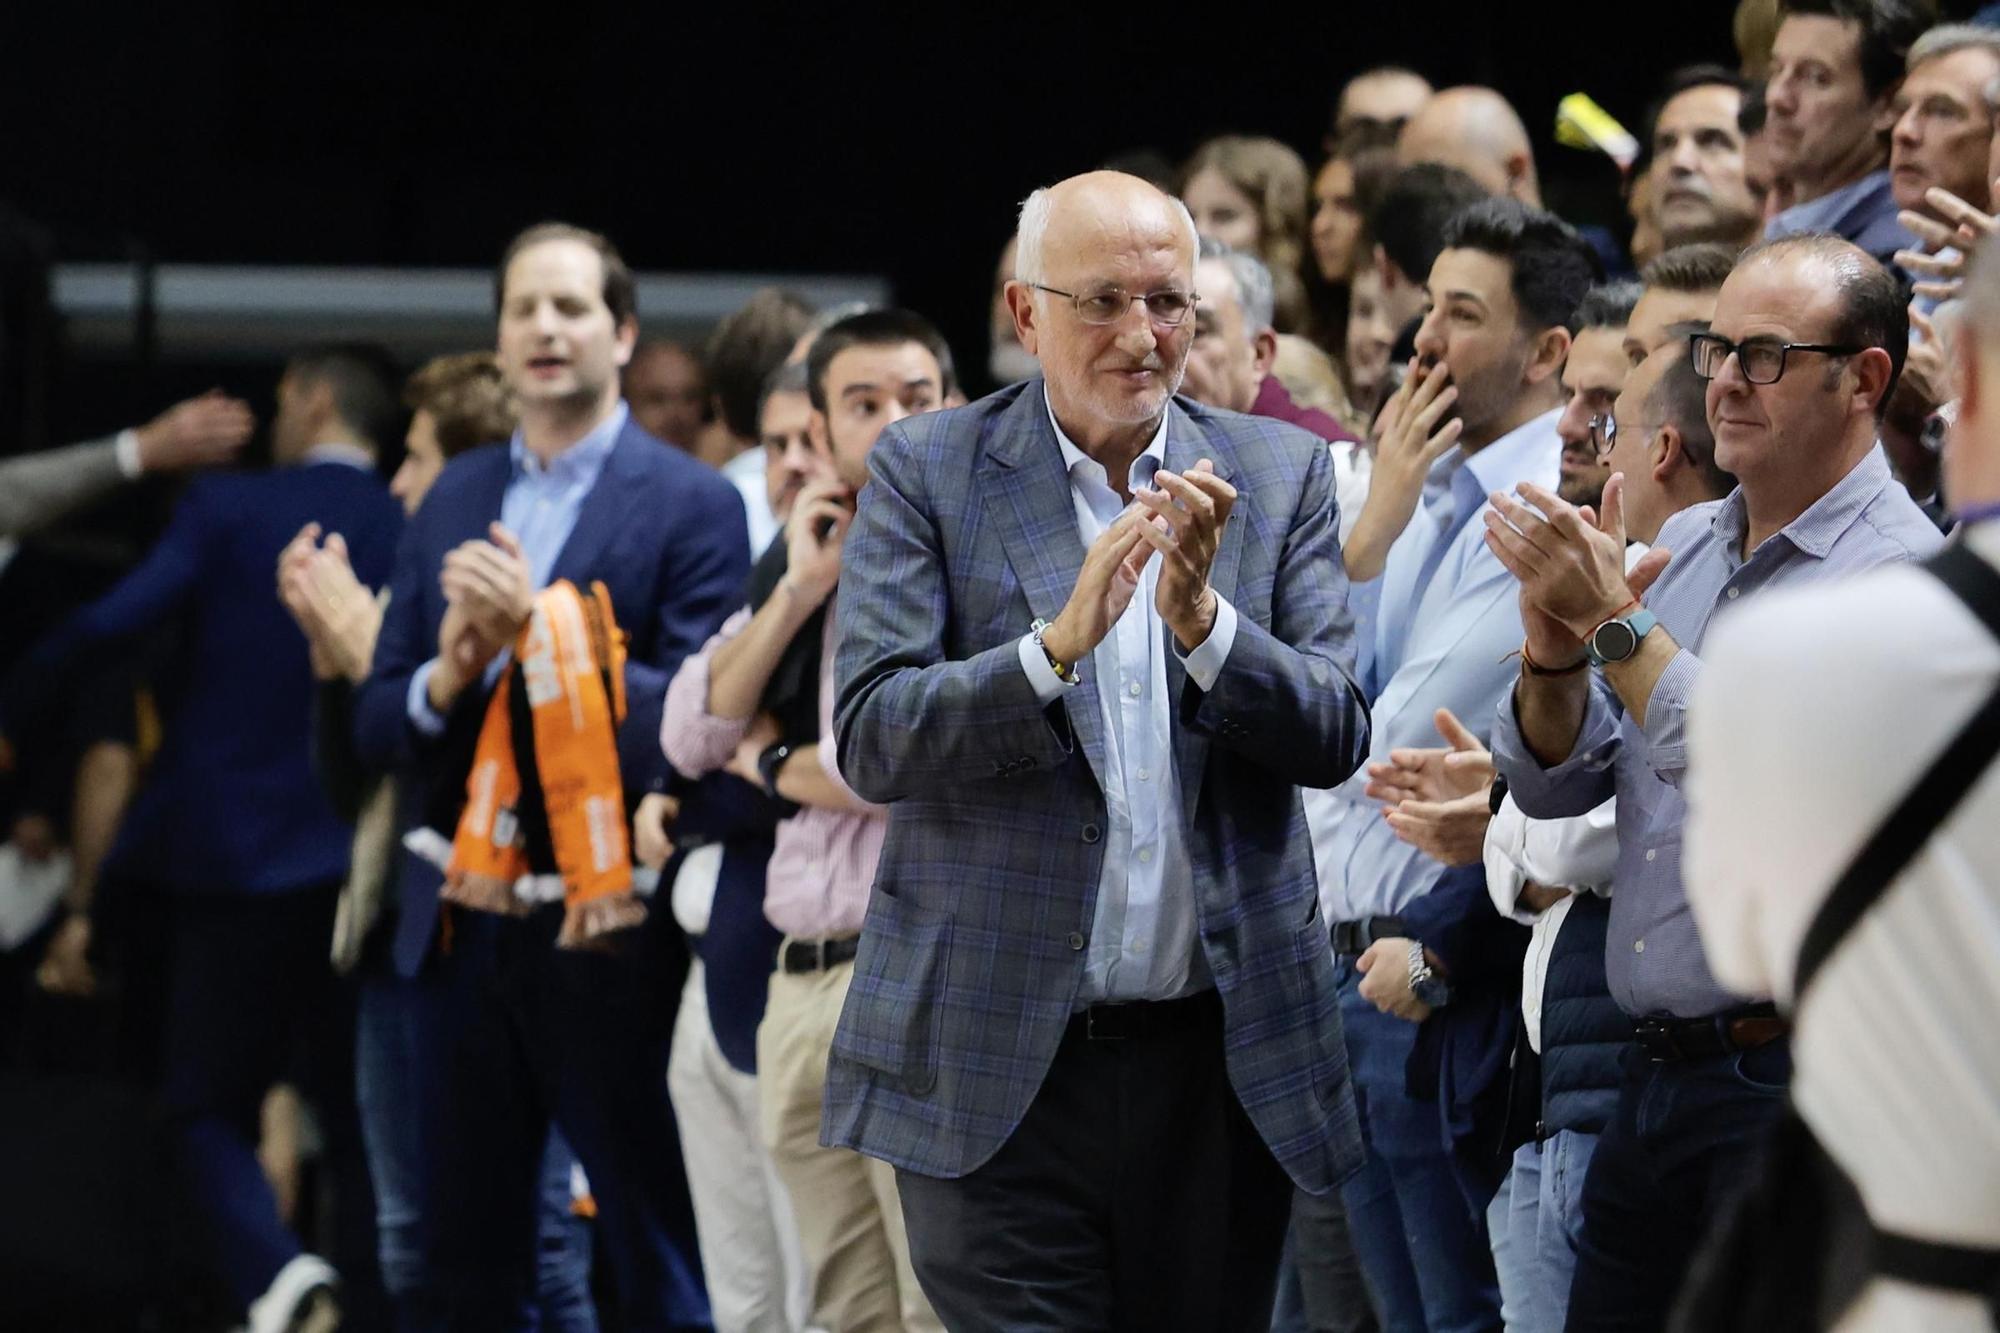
(1936,795)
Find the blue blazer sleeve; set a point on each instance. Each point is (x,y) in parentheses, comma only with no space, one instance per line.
(148,596)
(700,583)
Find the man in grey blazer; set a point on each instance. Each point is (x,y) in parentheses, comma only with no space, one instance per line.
(1092,639)
(36,489)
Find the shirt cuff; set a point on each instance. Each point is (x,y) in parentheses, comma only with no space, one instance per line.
(1048,685)
(427,720)
(1204,664)
(127,448)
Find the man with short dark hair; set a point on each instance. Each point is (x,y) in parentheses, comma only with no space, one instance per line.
(1805,345)
(1406,230)
(757,700)
(668,390)
(233,829)
(1680,285)
(1478,415)
(1592,375)
(1700,188)
(537,1031)
(1834,74)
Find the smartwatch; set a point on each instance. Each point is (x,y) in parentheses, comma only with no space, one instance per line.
(1618,638)
(768,764)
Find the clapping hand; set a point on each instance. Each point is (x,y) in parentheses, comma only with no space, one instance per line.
(1104,588)
(200,432)
(1571,564)
(487,584)
(1937,274)
(1189,511)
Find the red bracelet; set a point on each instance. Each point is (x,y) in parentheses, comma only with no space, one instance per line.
(1534,669)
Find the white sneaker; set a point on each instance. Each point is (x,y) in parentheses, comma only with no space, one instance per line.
(300,1299)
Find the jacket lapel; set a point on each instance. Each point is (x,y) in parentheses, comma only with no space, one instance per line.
(604,510)
(1188,442)
(1025,491)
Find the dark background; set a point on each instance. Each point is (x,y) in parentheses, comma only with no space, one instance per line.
(875,139)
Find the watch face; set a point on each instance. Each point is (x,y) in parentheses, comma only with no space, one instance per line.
(1614,641)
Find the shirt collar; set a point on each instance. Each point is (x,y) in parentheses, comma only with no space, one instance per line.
(1814,532)
(1071,455)
(582,460)
(341,452)
(1521,452)
(1830,211)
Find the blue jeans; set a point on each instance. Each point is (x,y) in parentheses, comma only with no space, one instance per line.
(1535,1221)
(1423,1249)
(397,1063)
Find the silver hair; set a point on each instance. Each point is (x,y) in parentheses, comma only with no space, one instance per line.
(1254,290)
(1033,227)
(1949,37)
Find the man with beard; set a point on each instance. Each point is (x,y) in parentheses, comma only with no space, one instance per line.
(1491,351)
(1590,380)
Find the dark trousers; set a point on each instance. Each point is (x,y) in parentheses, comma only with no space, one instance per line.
(1679,1145)
(252,1001)
(1421,1243)
(577,1037)
(402,1053)
(1328,1291)
(1135,1195)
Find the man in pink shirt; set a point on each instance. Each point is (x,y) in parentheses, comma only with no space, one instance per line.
(758,700)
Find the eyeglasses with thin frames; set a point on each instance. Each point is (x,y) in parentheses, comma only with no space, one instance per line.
(1604,429)
(1762,360)
(1168,308)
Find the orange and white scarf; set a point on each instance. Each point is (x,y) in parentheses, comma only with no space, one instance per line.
(570,660)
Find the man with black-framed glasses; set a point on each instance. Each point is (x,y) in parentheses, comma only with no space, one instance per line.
(1803,351)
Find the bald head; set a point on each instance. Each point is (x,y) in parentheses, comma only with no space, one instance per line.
(1477,131)
(1099,210)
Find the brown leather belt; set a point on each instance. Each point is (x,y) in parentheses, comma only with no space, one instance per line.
(1729,1033)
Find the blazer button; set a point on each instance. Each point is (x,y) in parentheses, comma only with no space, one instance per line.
(1091,833)
(1076,939)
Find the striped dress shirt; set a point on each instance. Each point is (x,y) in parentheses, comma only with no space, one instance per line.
(1653,956)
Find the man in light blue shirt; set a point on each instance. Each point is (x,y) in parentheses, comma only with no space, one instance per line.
(1501,295)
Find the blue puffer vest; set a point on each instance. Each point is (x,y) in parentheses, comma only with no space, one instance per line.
(1583,1029)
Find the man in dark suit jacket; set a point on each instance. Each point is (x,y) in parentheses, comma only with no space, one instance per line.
(531,1031)
(233,825)
(1091,638)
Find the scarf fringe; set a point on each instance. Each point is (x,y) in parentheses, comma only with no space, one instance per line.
(588,921)
(482,893)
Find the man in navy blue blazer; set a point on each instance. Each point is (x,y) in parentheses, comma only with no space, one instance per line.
(533,1032)
(231,823)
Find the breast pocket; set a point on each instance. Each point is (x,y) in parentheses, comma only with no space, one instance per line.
(893,1020)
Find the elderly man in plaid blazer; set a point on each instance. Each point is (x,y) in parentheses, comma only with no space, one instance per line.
(1092,640)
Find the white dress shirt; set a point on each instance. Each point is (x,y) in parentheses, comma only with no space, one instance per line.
(1143,939)
(1575,854)
(1817,712)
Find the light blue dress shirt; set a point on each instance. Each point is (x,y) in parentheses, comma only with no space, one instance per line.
(540,507)
(1653,959)
(1448,623)
(1143,938)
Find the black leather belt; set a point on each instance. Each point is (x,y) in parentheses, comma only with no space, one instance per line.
(1352,938)
(1146,1018)
(1728,1033)
(818,955)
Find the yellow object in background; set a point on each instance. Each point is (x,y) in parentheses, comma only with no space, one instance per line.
(1582,123)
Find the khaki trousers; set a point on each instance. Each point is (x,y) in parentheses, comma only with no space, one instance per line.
(849,1216)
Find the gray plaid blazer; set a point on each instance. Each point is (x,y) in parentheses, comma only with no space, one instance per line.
(973,948)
